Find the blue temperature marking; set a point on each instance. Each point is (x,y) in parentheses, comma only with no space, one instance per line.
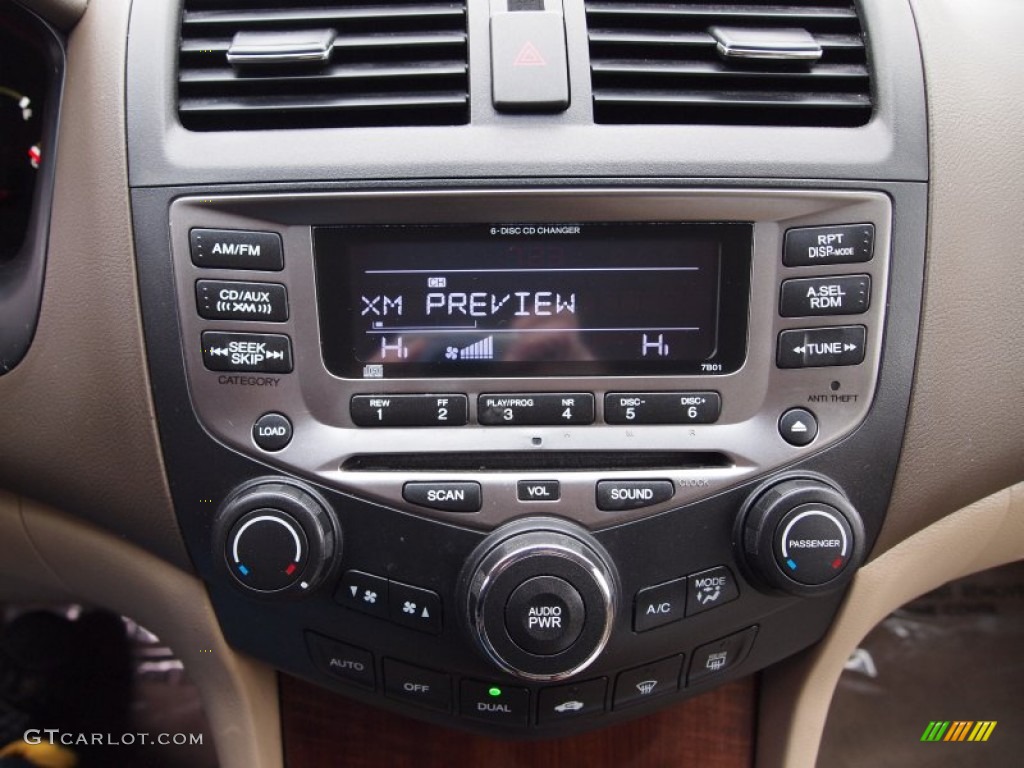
(243,569)
(791,564)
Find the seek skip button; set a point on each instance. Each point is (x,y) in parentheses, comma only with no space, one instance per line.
(619,495)
(448,496)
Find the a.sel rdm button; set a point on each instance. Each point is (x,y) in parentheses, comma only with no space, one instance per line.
(818,296)
(254,352)
(839,244)
(236,249)
(409,410)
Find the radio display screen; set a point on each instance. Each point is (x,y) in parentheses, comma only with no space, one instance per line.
(510,300)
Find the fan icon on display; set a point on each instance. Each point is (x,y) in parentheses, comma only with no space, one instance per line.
(452,353)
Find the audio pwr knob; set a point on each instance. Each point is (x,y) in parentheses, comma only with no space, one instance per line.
(540,598)
(802,536)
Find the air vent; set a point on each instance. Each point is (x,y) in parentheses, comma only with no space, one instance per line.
(322,63)
(756,62)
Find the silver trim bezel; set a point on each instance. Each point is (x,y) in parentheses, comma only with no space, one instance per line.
(316,401)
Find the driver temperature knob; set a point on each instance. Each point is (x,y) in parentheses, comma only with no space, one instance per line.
(276,539)
(802,536)
(540,598)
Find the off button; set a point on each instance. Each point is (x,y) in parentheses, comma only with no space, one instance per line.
(545,615)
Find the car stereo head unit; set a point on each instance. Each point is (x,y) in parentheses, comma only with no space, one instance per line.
(479,300)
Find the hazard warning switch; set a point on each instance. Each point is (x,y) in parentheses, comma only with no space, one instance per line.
(528,58)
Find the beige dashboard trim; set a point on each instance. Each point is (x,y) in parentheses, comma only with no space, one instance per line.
(965,429)
(796,695)
(76,561)
(79,430)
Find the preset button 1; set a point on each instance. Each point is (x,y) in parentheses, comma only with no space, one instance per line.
(409,410)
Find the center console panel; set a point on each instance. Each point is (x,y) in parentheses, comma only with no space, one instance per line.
(529,461)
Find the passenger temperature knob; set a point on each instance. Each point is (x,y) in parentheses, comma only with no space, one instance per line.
(802,536)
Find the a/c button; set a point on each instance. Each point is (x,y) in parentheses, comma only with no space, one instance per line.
(659,605)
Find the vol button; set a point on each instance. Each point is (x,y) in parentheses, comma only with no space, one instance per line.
(544,615)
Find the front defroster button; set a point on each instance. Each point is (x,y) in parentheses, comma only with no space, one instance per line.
(640,684)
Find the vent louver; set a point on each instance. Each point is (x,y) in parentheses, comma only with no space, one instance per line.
(390,62)
(664,62)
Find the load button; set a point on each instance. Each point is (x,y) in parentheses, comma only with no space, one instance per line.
(620,495)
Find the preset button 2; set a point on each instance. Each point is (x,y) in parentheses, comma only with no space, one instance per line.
(409,410)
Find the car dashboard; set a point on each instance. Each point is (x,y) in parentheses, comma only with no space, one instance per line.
(523,367)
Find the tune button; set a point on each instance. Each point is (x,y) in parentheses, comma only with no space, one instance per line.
(545,615)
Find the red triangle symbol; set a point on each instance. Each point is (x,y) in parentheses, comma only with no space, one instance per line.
(529,56)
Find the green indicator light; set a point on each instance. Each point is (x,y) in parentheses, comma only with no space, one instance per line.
(494,691)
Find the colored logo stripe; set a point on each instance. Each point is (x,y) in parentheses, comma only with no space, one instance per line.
(958,730)
(982,730)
